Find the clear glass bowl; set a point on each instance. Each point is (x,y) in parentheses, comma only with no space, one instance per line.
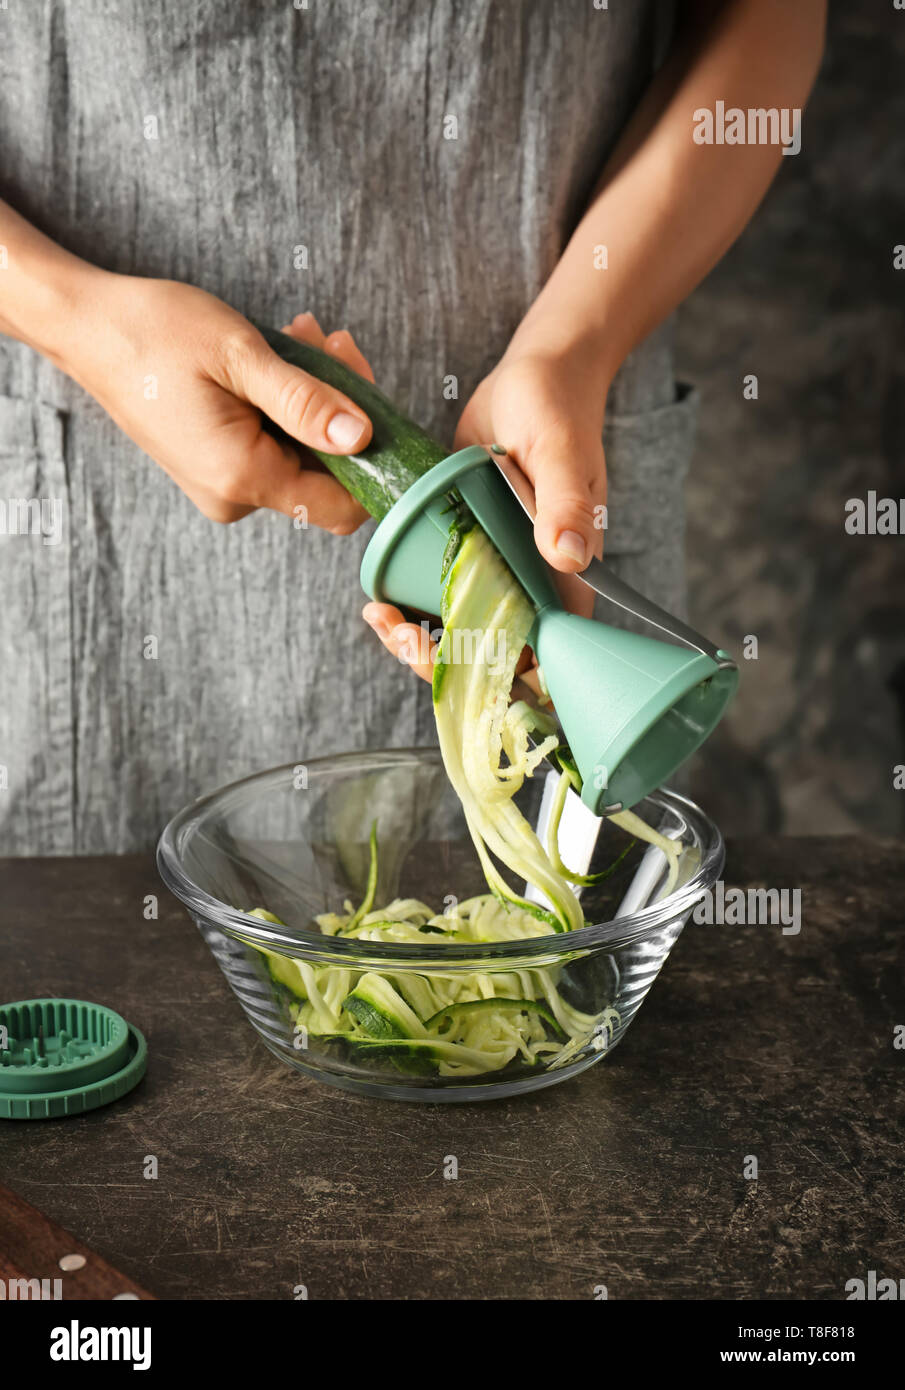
(295,841)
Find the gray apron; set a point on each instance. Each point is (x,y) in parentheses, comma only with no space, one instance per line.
(278,127)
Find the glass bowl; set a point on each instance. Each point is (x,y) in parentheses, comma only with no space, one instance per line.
(294,840)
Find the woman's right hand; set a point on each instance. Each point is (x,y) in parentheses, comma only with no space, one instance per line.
(189,380)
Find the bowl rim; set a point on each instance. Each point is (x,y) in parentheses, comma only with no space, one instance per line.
(253,931)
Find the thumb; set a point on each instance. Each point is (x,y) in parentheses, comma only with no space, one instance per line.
(569,484)
(307,409)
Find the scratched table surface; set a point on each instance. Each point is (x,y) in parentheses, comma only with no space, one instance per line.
(752,1044)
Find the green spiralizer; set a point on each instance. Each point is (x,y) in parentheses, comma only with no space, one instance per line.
(632,707)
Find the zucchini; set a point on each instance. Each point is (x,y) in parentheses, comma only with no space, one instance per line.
(367,901)
(380,1012)
(407,1058)
(284,970)
(457,1013)
(400,451)
(476,725)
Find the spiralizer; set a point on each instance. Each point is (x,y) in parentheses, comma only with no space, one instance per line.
(632,707)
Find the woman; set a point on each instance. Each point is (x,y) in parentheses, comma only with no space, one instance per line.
(505,203)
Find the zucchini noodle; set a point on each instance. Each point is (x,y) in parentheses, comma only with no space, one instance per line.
(476,726)
(437,1024)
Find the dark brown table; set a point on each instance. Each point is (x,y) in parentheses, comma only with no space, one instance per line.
(631,1176)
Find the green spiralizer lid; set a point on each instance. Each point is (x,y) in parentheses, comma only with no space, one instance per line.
(65,1056)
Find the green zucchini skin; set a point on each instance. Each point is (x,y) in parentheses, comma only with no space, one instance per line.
(497,1004)
(400,451)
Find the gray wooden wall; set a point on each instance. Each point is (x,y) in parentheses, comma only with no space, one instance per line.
(809,301)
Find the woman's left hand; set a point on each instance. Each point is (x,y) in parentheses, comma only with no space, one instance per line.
(547,411)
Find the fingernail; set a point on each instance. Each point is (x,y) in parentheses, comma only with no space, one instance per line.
(572,544)
(375,621)
(345,430)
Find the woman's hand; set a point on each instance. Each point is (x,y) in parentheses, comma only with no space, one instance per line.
(546,409)
(190,381)
(547,412)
